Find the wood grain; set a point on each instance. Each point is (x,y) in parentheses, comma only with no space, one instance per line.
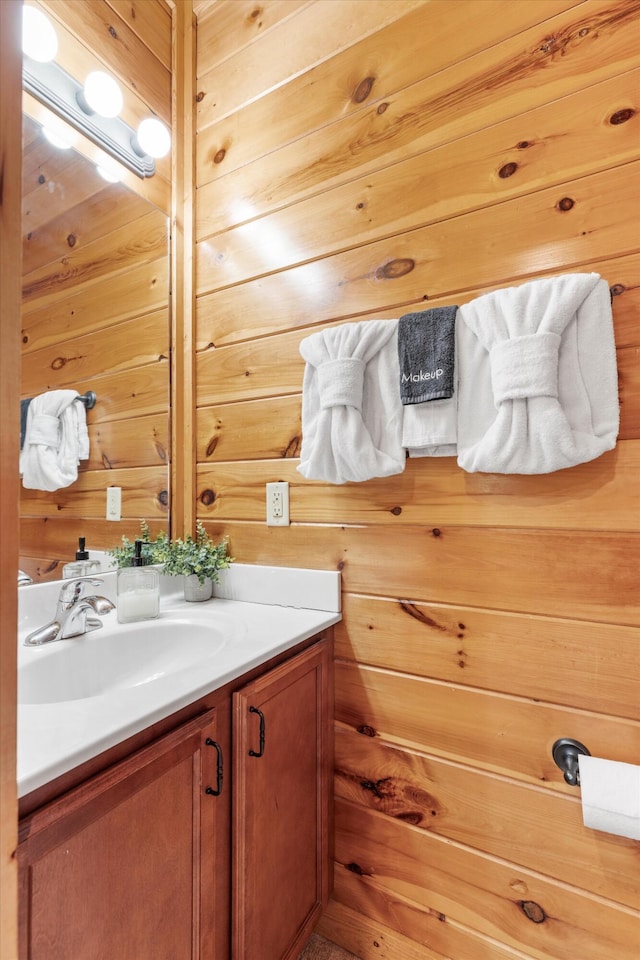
(363,77)
(224,88)
(453,883)
(224,29)
(106,210)
(52,319)
(139,241)
(483,728)
(128,345)
(144,494)
(505,160)
(138,442)
(586,576)
(264,428)
(599,495)
(444,257)
(534,828)
(496,651)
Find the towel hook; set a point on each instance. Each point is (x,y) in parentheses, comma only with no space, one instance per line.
(89,399)
(565,753)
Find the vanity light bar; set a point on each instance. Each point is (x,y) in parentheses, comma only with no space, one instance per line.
(57,90)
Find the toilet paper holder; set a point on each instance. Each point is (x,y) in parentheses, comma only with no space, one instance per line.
(565,753)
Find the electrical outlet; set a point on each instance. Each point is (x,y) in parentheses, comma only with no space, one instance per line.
(114,503)
(278,504)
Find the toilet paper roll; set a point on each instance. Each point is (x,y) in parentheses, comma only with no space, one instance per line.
(610,796)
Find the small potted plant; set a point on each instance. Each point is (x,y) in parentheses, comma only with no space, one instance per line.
(151,549)
(197,558)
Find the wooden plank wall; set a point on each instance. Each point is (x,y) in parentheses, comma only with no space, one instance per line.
(96,294)
(355,160)
(10,166)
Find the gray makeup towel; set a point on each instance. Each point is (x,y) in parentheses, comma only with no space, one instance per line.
(426,352)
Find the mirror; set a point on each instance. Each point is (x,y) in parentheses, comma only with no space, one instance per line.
(95,316)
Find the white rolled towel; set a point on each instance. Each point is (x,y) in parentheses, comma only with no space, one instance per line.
(351,409)
(56,439)
(537,382)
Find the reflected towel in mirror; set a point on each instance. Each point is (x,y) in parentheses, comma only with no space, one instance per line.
(56,439)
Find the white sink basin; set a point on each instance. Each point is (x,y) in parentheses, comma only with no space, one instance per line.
(104,661)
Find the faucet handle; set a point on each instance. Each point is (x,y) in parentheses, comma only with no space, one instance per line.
(74,590)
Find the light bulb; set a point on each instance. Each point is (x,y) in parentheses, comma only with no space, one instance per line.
(154,138)
(103,94)
(55,139)
(110,174)
(39,40)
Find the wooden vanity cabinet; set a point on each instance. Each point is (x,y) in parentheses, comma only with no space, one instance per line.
(120,866)
(199,836)
(283,769)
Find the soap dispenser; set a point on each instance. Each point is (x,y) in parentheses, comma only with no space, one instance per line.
(82,566)
(138,590)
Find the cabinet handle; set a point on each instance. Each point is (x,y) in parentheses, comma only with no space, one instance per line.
(209,790)
(252,753)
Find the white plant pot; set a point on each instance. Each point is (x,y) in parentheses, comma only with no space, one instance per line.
(194,590)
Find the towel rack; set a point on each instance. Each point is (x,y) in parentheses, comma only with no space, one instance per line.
(89,399)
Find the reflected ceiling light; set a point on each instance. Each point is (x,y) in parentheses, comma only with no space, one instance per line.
(39,40)
(55,139)
(154,138)
(63,95)
(102,94)
(110,174)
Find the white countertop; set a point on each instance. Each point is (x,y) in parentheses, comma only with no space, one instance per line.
(55,737)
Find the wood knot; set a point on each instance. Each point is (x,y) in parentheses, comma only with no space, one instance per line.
(621,116)
(507,170)
(355,868)
(25,339)
(382,107)
(292,448)
(566,203)
(58,363)
(71,240)
(207,497)
(366,730)
(213,443)
(395,268)
(340,565)
(548,45)
(220,155)
(523,144)
(106,463)
(360,206)
(163,498)
(533,911)
(42,178)
(200,95)
(363,90)
(436,532)
(255,13)
(113,32)
(396,511)
(410,816)
(617,289)
(162,453)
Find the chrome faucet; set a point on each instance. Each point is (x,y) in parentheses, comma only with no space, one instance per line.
(72,618)
(23,578)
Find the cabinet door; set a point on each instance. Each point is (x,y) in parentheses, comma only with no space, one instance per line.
(118,867)
(283,764)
